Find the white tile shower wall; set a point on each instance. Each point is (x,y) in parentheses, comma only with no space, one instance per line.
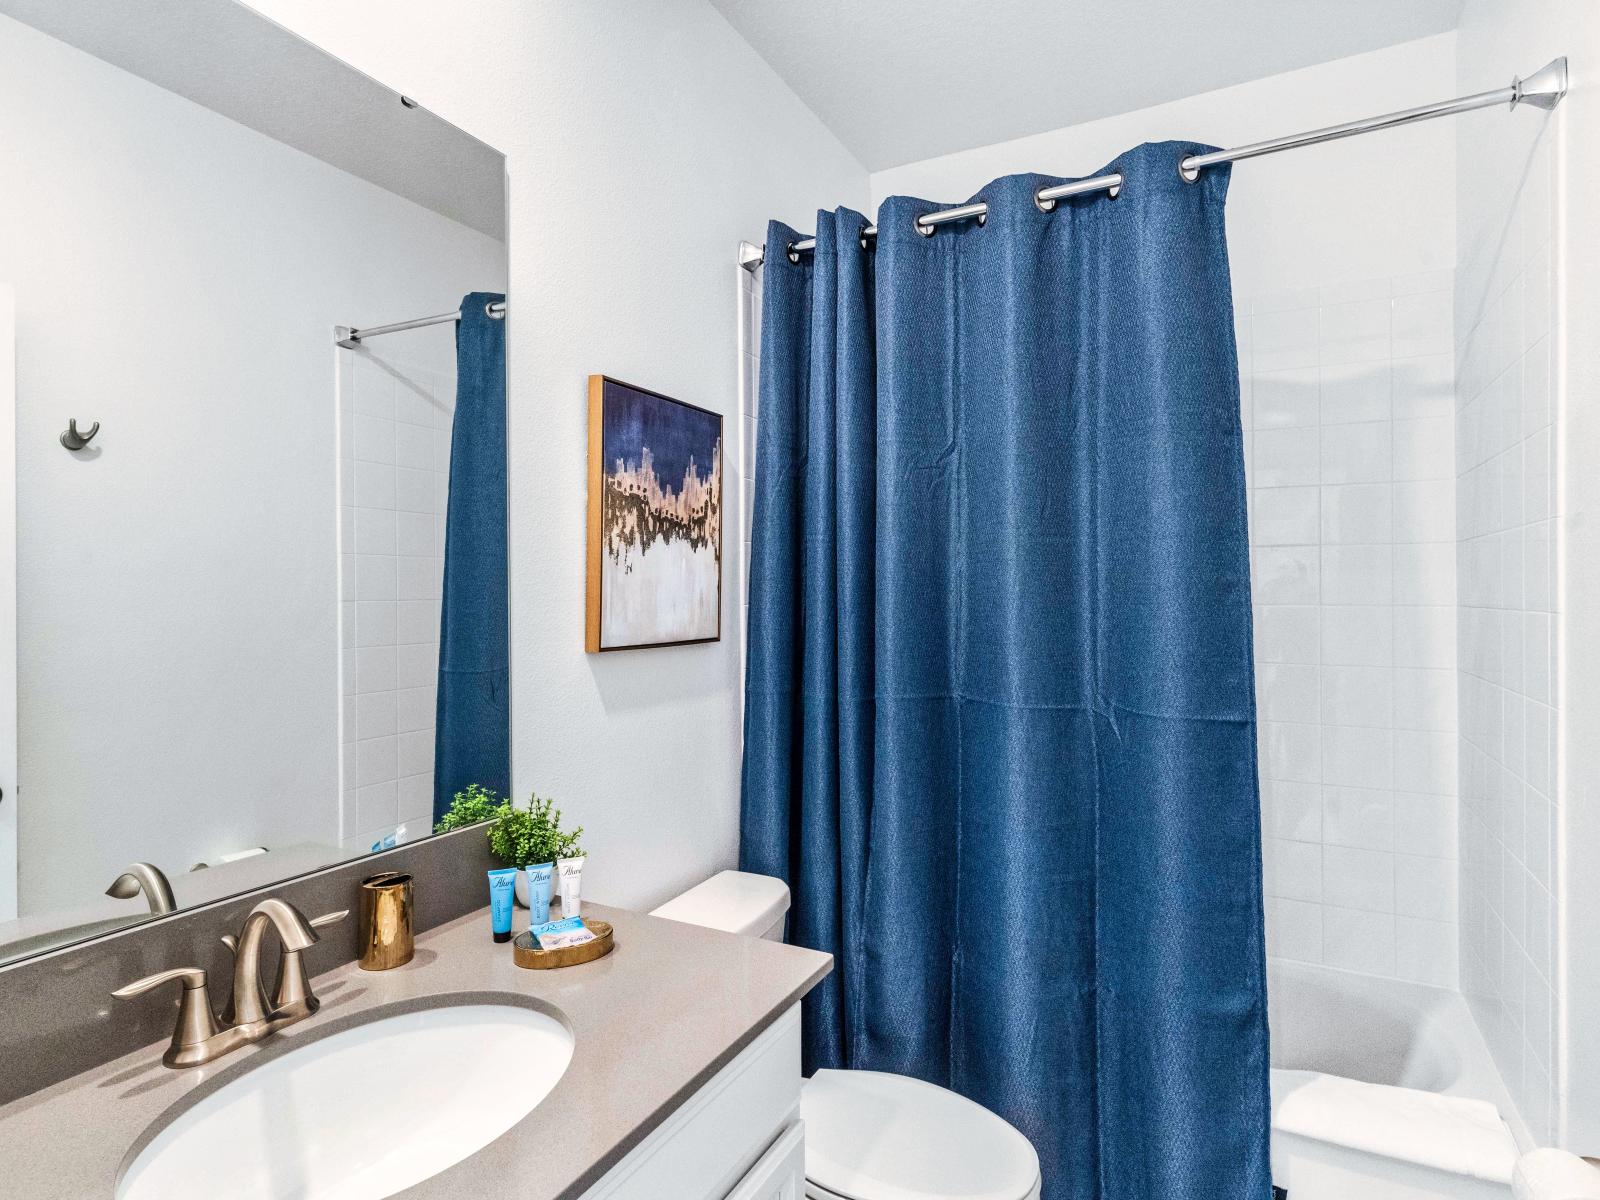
(394,462)
(1506,520)
(1347,394)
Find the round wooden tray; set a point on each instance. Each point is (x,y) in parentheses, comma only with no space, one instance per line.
(525,950)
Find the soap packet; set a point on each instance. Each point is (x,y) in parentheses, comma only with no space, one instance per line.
(553,935)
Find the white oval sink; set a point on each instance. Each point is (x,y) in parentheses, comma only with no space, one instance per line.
(360,1114)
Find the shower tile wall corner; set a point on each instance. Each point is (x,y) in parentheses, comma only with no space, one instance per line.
(1507,522)
(1347,396)
(394,462)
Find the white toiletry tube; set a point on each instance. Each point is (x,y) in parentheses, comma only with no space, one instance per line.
(571,876)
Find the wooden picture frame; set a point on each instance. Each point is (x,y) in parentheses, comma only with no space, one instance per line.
(654,536)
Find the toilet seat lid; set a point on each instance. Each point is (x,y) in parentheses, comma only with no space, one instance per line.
(873,1136)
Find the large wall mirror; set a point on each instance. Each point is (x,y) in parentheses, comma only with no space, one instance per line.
(232,532)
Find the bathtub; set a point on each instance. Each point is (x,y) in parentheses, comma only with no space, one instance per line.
(1382,1090)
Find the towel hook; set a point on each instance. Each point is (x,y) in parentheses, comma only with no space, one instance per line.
(73,440)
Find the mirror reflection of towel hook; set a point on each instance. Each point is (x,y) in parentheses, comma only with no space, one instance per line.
(73,440)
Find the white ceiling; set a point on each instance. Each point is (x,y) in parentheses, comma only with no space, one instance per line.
(903,80)
(236,62)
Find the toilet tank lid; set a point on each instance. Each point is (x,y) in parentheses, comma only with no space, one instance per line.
(891,1137)
(733,901)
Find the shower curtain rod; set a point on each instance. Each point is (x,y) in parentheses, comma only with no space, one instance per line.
(1543,89)
(351,338)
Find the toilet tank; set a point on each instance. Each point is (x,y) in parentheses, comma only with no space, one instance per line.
(735,902)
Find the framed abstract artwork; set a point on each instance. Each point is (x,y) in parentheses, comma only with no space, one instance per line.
(655,520)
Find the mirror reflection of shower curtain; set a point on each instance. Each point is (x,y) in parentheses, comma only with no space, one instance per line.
(999,707)
(473,725)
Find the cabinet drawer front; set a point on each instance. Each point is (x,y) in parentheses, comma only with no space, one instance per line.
(781,1173)
(707,1147)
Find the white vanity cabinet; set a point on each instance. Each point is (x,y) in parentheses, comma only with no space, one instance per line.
(780,1173)
(738,1138)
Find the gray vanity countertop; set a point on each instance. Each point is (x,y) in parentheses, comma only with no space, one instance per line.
(652,1022)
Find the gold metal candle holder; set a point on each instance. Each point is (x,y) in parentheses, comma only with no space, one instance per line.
(385,929)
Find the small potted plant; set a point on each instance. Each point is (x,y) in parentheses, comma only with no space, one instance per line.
(470,807)
(517,836)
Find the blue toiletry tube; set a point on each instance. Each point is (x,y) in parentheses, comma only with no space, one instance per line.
(502,894)
(539,876)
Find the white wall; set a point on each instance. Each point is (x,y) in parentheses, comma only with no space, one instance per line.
(1528,302)
(1342,258)
(644,141)
(178,277)
(1359,209)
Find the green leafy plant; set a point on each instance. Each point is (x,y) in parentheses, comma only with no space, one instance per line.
(517,836)
(520,836)
(477,803)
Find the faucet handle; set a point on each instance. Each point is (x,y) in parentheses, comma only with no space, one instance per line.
(196,1026)
(293,989)
(193,979)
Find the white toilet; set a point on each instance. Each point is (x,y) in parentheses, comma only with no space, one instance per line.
(869,1135)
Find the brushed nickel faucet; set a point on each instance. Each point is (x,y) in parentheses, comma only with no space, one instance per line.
(291,991)
(249,1000)
(147,878)
(199,1037)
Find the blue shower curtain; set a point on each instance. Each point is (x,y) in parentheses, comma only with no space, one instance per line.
(472,733)
(1000,713)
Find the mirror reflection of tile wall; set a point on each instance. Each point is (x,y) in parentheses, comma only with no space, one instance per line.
(394,424)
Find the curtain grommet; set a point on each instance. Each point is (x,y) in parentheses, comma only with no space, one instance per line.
(862,237)
(1188,174)
(1043,205)
(792,254)
(1114,191)
(924,230)
(983,219)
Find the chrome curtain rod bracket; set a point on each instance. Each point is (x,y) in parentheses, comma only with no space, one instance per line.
(1543,89)
(350,338)
(750,255)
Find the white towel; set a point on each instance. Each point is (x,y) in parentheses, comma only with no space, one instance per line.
(1447,1133)
(1554,1175)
